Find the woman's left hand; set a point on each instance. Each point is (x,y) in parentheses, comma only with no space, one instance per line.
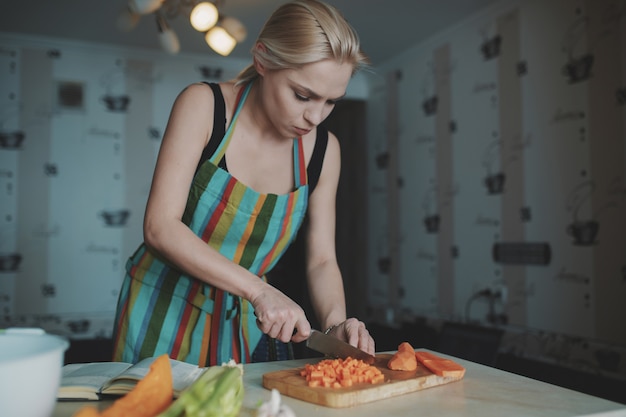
(354,332)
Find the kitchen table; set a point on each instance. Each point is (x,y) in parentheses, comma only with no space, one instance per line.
(484,392)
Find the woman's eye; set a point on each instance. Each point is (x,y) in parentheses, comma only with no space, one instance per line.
(301,97)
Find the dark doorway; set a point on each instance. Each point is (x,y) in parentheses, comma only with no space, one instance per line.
(347,122)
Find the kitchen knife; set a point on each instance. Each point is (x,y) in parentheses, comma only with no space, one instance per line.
(336,348)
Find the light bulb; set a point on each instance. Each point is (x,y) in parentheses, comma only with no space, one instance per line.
(167,37)
(204,16)
(220,40)
(169,41)
(234,27)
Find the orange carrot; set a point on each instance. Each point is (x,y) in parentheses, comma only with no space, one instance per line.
(152,395)
(445,367)
(423,355)
(338,373)
(87,411)
(440,366)
(406,346)
(404,359)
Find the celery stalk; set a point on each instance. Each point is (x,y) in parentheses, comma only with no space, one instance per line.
(217,392)
(195,394)
(227,398)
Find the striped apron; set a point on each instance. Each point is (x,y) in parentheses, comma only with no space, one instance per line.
(163,310)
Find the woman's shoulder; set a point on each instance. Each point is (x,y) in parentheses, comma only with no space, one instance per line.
(197,91)
(194,100)
(204,97)
(194,97)
(202,92)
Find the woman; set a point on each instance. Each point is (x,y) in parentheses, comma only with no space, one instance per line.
(230,190)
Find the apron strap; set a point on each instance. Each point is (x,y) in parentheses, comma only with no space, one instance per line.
(299,166)
(221,149)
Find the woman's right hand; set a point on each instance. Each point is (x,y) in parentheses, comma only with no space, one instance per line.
(279,316)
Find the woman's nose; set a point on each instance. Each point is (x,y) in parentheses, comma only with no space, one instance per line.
(314,114)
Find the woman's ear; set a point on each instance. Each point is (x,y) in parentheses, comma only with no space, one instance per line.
(258,66)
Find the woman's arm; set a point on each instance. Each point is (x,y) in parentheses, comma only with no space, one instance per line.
(187,133)
(323,275)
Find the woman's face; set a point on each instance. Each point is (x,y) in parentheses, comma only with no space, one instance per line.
(297,100)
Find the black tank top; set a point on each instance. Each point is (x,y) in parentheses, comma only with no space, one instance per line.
(314,168)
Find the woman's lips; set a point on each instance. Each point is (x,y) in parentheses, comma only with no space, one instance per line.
(301,132)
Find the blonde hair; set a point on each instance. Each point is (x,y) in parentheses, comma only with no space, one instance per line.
(303,32)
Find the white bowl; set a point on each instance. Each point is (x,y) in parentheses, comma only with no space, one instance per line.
(30,372)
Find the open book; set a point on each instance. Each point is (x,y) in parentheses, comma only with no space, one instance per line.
(92,381)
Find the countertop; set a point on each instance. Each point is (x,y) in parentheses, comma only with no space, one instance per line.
(484,391)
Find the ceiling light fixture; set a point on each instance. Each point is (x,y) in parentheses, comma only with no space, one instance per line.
(220,40)
(167,37)
(222,33)
(203,16)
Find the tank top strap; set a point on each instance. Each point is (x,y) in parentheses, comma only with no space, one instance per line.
(221,149)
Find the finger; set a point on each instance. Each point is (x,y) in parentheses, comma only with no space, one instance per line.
(362,341)
(354,333)
(275,331)
(303,331)
(285,332)
(268,329)
(368,343)
(371,345)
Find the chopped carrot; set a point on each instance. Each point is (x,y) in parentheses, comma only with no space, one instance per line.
(152,395)
(346,382)
(440,366)
(404,359)
(340,373)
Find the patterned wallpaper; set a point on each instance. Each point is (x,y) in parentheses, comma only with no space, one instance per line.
(80,128)
(498,185)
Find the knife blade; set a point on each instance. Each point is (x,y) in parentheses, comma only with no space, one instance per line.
(334,347)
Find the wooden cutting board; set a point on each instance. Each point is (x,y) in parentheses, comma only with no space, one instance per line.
(290,383)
